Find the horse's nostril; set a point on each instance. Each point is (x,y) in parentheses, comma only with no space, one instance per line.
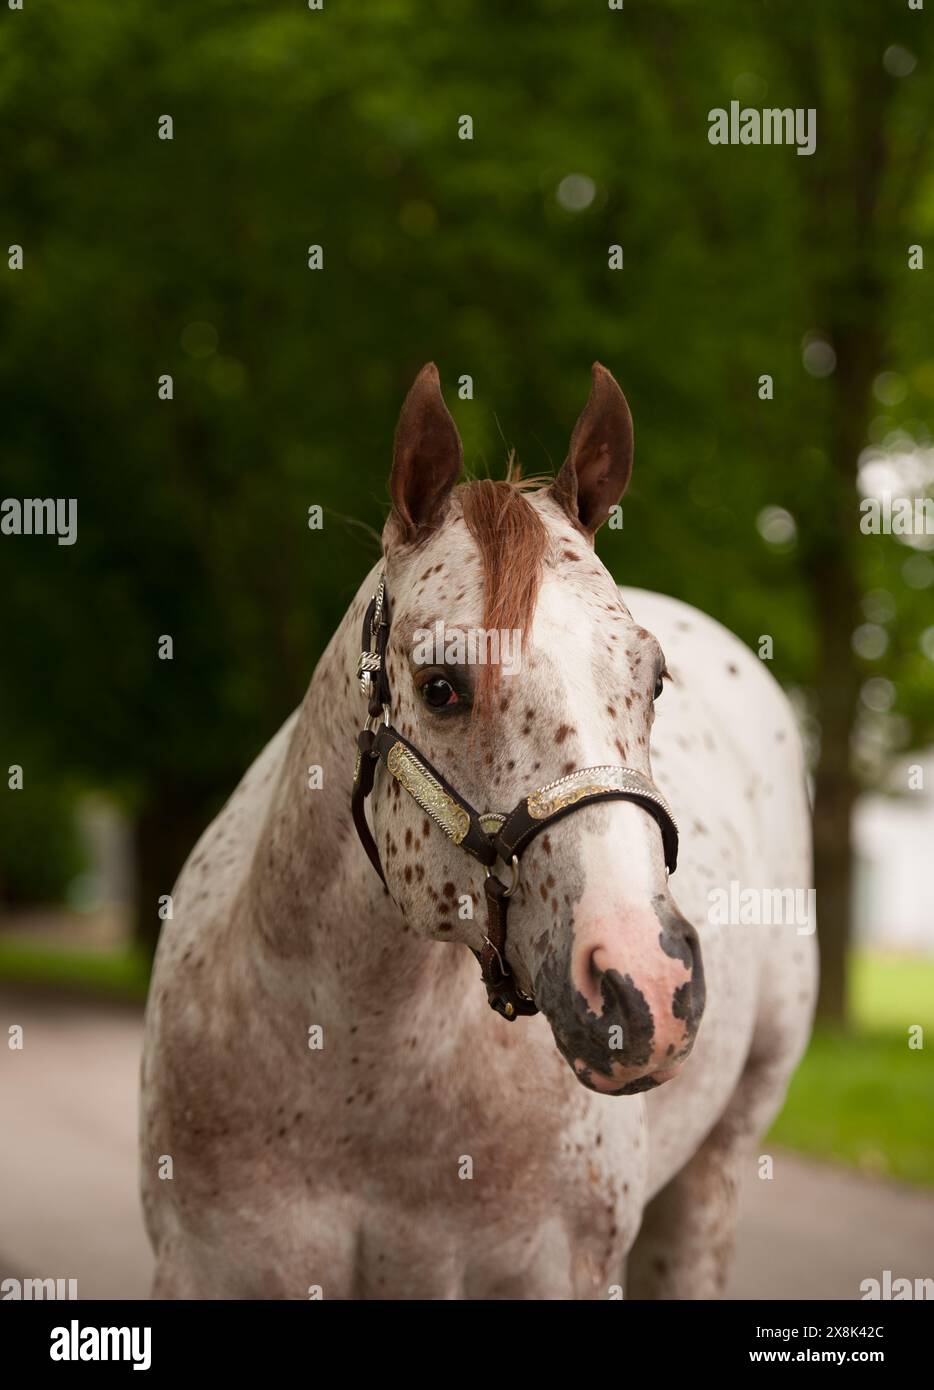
(594,970)
(615,991)
(619,998)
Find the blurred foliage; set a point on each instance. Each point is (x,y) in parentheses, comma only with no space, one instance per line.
(294,127)
(41,850)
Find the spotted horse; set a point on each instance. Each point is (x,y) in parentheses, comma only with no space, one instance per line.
(344,1113)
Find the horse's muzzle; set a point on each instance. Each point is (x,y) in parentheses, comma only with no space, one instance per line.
(627,1011)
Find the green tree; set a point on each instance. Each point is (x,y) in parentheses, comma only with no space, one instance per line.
(340,128)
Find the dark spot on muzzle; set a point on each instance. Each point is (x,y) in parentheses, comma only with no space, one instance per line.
(679,940)
(583,1036)
(687,1002)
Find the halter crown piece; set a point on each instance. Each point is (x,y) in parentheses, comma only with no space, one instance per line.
(494,837)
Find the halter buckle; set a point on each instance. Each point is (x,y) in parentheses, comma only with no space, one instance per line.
(372,721)
(516,874)
(368,666)
(369,663)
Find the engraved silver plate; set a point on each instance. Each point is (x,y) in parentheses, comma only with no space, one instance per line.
(428,792)
(589,781)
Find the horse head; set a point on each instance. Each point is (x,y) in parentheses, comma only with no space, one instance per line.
(513,663)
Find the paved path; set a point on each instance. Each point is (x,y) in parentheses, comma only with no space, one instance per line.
(69,1208)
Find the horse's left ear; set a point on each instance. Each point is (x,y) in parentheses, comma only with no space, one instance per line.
(427,458)
(596,472)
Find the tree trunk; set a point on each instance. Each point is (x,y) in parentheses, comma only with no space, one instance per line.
(837,688)
(858,343)
(848,298)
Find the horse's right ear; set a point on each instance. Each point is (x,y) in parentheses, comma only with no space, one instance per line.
(427,459)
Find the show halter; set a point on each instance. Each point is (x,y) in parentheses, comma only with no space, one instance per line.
(493,837)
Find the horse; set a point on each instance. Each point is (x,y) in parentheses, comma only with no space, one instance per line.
(329,1107)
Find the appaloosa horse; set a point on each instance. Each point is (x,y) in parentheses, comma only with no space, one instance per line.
(343,1112)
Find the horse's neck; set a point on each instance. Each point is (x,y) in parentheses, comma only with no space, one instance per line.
(324,929)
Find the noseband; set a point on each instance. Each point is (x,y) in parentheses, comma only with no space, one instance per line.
(493,837)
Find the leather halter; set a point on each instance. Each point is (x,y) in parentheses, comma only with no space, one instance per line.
(489,838)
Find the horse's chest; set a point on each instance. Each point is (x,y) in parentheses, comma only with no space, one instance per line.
(462,1202)
(427,1232)
(491,1173)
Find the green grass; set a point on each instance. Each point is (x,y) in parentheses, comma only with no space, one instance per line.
(865,1097)
(891,992)
(122,974)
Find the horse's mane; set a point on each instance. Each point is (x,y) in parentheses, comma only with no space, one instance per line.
(512,541)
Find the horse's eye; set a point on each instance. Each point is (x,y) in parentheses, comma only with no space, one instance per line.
(439,692)
(659,687)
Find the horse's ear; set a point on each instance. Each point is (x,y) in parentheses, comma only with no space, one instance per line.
(427,458)
(596,472)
